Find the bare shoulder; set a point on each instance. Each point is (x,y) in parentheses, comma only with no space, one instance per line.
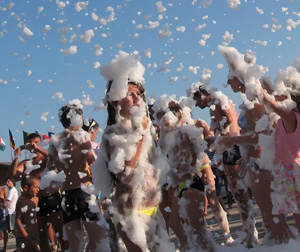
(3,189)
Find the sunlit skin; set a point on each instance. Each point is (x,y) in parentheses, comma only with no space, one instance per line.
(236,85)
(94,135)
(231,171)
(133,98)
(260,183)
(181,172)
(126,190)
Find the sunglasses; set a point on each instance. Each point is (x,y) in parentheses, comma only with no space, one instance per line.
(91,127)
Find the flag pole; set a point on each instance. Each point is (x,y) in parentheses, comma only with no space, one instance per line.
(11,153)
(12,144)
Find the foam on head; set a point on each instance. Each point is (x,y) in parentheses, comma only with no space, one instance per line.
(122,69)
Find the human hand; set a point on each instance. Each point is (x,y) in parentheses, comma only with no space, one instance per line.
(242,170)
(18,153)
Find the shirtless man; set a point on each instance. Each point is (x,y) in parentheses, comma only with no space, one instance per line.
(71,152)
(49,198)
(224,122)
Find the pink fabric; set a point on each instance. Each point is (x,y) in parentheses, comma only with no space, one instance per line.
(287,145)
(96,147)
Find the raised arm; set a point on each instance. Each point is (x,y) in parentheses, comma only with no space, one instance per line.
(288,116)
(16,168)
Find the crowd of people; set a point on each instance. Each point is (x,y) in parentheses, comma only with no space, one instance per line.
(158,168)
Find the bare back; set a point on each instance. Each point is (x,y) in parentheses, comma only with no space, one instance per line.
(73,157)
(221,119)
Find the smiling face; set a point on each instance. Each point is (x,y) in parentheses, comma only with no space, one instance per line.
(133,98)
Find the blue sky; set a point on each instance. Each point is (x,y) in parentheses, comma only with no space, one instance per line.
(33,68)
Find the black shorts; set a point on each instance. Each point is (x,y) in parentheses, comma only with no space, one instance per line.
(49,205)
(231,156)
(75,206)
(197,184)
(3,223)
(10,222)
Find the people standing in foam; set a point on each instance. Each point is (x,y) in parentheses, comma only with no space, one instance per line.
(70,152)
(224,122)
(192,175)
(253,120)
(129,151)
(169,206)
(286,170)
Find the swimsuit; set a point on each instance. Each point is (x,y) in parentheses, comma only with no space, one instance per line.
(196,184)
(151,212)
(243,122)
(231,156)
(75,206)
(49,205)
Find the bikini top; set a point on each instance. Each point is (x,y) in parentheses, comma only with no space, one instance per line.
(243,122)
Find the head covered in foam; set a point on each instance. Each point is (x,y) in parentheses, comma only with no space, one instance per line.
(71,114)
(123,69)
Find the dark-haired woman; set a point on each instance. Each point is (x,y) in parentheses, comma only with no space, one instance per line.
(131,156)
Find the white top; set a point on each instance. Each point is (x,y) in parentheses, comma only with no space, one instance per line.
(12,196)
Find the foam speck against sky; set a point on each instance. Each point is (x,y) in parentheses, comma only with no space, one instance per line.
(51,51)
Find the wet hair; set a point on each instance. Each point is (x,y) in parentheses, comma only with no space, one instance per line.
(111,109)
(33,136)
(92,125)
(202,91)
(28,180)
(151,112)
(64,111)
(175,109)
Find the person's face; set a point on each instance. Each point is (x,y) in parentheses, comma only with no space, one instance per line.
(236,85)
(201,101)
(33,189)
(9,183)
(32,143)
(133,98)
(94,135)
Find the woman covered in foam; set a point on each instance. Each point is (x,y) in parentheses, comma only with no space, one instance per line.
(190,173)
(285,101)
(130,154)
(256,124)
